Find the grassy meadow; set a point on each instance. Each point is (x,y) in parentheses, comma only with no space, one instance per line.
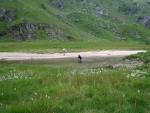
(66,86)
(44,46)
(74,88)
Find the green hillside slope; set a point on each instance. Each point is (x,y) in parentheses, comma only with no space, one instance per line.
(75,20)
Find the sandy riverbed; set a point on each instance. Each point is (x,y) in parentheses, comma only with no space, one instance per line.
(14,56)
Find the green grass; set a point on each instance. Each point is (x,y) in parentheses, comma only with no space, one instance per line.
(77,24)
(48,46)
(49,88)
(70,87)
(145,57)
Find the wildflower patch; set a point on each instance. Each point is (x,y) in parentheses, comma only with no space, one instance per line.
(13,75)
(137,73)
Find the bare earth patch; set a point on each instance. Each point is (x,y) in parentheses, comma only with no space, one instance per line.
(14,56)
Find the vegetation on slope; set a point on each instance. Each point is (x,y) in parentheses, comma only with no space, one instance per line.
(73,20)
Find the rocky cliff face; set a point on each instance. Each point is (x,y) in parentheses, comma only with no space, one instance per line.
(27,31)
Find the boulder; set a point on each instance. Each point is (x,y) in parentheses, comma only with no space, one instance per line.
(145,20)
(98,11)
(58,4)
(2,33)
(148,2)
(7,15)
(84,1)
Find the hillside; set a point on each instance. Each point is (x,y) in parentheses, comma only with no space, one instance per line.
(72,56)
(75,20)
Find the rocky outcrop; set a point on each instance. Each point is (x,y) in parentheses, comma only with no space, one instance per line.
(130,8)
(148,2)
(95,10)
(98,11)
(84,1)
(58,4)
(88,6)
(92,8)
(28,31)
(23,31)
(7,15)
(145,20)
(2,33)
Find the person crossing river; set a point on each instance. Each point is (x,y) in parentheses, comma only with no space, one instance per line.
(80,59)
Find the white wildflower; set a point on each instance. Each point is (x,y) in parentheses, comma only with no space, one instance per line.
(2,94)
(32,99)
(123,95)
(1,104)
(35,93)
(137,73)
(15,89)
(13,74)
(48,97)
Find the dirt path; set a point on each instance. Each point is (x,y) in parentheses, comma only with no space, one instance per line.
(14,56)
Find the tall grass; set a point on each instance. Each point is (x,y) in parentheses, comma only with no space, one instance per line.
(61,89)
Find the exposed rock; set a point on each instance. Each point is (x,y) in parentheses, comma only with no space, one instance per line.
(30,31)
(22,31)
(3,33)
(145,20)
(88,6)
(98,11)
(130,8)
(84,1)
(27,31)
(60,16)
(95,8)
(148,2)
(7,15)
(148,24)
(58,4)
